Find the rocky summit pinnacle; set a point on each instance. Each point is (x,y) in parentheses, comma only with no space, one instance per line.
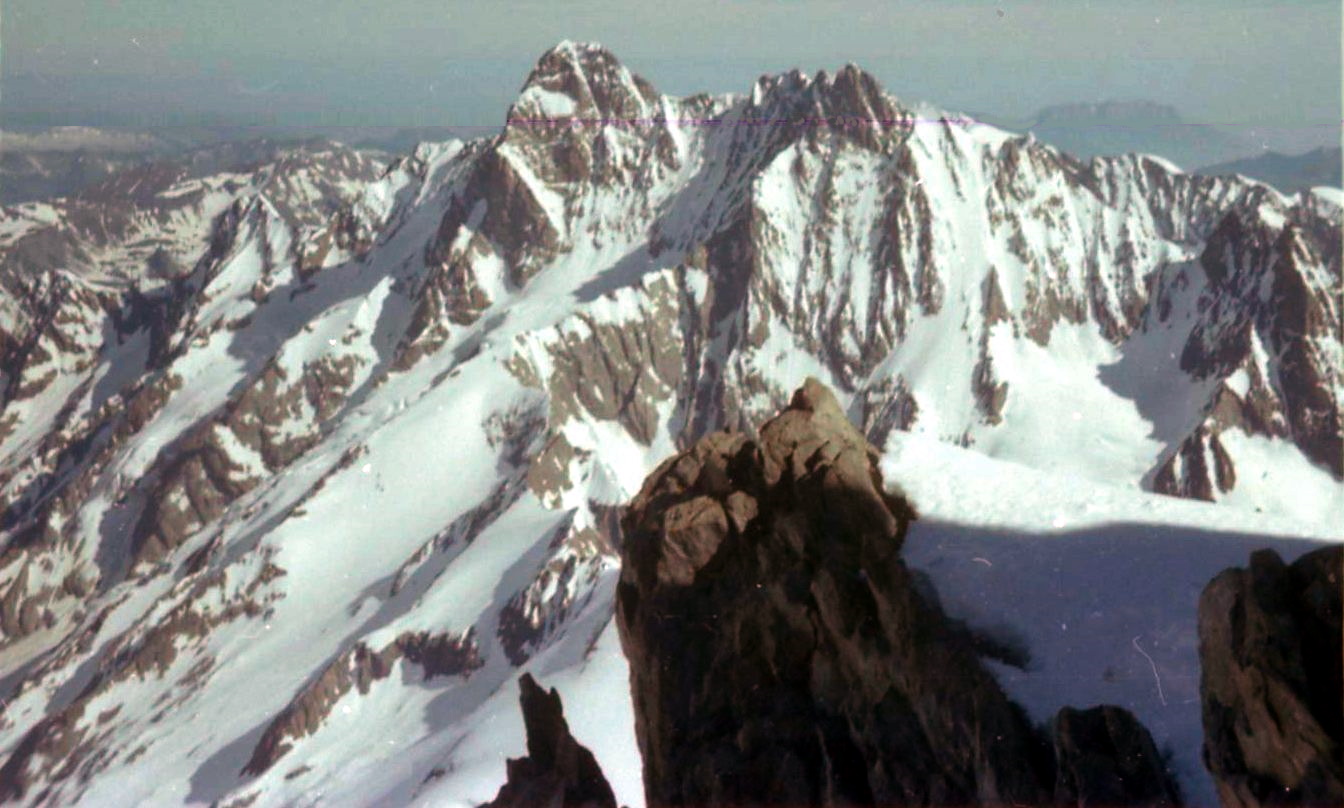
(781,653)
(1271,645)
(558,772)
(584,82)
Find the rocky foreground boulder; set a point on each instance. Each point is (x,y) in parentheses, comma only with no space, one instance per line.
(1106,757)
(1272,672)
(782,654)
(558,771)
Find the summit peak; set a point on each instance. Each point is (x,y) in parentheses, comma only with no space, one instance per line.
(582,80)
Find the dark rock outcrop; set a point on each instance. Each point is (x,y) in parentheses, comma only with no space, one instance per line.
(1106,757)
(782,654)
(1271,658)
(358,669)
(558,771)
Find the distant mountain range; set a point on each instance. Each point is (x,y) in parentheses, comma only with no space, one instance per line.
(1120,127)
(1289,173)
(46,163)
(1123,127)
(53,162)
(1113,128)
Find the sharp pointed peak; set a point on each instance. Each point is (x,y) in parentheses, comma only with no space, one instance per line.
(576,49)
(582,80)
(586,58)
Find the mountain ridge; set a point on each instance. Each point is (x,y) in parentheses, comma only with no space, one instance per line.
(494,341)
(1290,173)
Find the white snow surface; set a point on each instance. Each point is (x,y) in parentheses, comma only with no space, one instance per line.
(1099,583)
(395,492)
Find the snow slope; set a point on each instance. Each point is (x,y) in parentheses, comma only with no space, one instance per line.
(287,525)
(1100,584)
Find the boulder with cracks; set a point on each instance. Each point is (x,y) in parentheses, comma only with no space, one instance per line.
(1271,680)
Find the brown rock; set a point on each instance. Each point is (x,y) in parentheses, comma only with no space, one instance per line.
(1186,472)
(357,669)
(692,532)
(791,659)
(558,771)
(782,654)
(1106,757)
(1270,652)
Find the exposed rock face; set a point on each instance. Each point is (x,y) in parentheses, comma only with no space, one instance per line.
(558,771)
(1269,293)
(359,668)
(66,742)
(781,653)
(1106,757)
(1270,650)
(155,216)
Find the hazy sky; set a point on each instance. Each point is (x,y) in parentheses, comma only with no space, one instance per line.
(407,62)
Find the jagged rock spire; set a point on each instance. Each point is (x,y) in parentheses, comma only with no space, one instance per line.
(558,771)
(782,654)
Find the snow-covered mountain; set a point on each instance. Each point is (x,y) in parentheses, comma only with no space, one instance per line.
(72,161)
(302,466)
